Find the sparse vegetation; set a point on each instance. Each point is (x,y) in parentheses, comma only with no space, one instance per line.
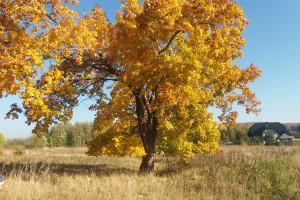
(19,151)
(251,172)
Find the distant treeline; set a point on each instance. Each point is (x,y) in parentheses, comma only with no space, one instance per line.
(78,134)
(237,134)
(81,133)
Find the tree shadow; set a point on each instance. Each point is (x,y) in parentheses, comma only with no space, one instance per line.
(41,168)
(172,168)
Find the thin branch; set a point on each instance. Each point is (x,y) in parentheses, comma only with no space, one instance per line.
(205,23)
(170,41)
(206,74)
(51,18)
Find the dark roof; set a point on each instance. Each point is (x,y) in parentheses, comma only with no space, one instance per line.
(258,128)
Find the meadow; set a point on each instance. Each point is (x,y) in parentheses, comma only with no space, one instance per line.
(240,172)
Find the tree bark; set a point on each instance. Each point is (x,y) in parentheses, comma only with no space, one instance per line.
(147,166)
(147,125)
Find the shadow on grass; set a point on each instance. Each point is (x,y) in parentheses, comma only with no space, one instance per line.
(39,169)
(173,168)
(27,171)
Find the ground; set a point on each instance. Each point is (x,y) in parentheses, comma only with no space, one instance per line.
(241,172)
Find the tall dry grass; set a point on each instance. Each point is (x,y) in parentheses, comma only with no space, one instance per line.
(238,173)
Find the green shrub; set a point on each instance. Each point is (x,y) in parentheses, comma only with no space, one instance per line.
(269,139)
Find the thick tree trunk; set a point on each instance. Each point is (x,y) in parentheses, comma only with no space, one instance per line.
(147,125)
(147,165)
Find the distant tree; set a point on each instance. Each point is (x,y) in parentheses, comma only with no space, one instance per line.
(297,135)
(269,139)
(224,136)
(231,134)
(58,135)
(298,128)
(17,142)
(241,133)
(70,139)
(2,140)
(69,134)
(78,134)
(87,129)
(37,142)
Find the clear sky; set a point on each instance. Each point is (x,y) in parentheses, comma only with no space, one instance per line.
(273,45)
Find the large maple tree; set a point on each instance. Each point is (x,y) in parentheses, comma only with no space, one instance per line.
(165,63)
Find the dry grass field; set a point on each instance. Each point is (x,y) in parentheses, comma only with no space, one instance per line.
(254,172)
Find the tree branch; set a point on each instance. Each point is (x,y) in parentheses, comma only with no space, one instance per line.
(153,94)
(147,105)
(170,41)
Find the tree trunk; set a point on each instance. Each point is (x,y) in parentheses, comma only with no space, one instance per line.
(147,125)
(147,166)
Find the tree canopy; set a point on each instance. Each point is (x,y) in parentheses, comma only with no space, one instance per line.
(165,63)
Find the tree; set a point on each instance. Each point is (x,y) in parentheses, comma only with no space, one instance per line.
(37,142)
(165,62)
(269,139)
(237,134)
(70,135)
(298,128)
(70,139)
(87,129)
(296,135)
(231,134)
(241,133)
(2,140)
(224,136)
(58,135)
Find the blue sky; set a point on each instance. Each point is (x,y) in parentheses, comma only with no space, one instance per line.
(273,45)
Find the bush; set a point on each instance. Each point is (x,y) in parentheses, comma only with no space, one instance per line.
(269,139)
(19,152)
(254,141)
(243,143)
